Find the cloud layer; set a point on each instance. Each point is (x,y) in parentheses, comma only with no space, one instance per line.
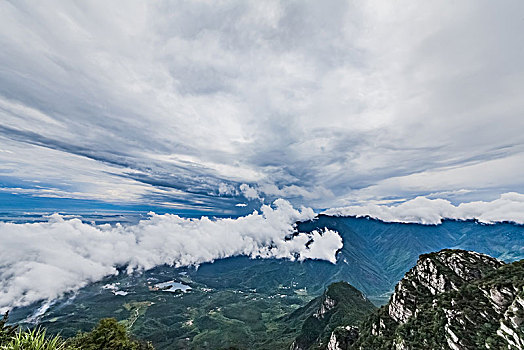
(508,208)
(180,103)
(43,260)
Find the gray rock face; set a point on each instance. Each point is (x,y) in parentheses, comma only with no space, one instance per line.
(452,299)
(327,304)
(342,337)
(509,304)
(295,346)
(496,305)
(435,274)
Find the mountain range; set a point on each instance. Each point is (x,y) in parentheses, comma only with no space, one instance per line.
(376,254)
(248,303)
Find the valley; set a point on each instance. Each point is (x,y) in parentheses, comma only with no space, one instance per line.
(248,303)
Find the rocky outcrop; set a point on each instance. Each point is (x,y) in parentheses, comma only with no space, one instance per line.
(511,303)
(435,274)
(326,305)
(342,337)
(452,299)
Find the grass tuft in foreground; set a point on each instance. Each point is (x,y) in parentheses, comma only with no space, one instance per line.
(107,335)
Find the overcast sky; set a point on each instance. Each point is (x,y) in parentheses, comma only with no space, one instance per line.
(218,106)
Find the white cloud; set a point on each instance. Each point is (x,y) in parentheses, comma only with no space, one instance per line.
(44,260)
(509,207)
(227,190)
(249,192)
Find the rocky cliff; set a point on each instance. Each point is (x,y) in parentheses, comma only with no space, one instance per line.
(452,299)
(435,274)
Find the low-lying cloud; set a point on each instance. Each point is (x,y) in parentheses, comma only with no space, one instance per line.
(508,208)
(44,260)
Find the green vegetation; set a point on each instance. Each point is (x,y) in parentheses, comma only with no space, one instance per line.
(7,332)
(470,307)
(340,305)
(206,318)
(107,335)
(14,338)
(240,307)
(35,339)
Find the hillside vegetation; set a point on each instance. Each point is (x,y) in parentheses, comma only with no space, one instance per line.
(340,304)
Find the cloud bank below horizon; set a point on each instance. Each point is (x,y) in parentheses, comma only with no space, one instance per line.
(421,210)
(42,261)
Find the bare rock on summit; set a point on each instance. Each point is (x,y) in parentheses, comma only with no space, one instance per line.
(437,273)
(452,299)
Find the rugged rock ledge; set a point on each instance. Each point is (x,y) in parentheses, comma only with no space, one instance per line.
(434,274)
(452,299)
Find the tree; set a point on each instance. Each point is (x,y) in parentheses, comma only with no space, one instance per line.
(6,332)
(107,335)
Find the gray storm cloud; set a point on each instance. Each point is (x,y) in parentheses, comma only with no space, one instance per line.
(41,261)
(177,103)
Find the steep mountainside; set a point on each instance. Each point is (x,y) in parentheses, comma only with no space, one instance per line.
(341,303)
(374,257)
(452,299)
(388,250)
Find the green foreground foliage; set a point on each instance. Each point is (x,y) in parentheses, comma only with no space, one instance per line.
(6,332)
(107,335)
(34,339)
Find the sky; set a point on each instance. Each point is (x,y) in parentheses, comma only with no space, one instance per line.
(265,111)
(220,107)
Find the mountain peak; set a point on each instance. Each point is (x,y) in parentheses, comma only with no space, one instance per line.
(341,303)
(443,298)
(436,273)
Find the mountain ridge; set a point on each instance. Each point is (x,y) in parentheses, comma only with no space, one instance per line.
(441,300)
(390,249)
(341,303)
